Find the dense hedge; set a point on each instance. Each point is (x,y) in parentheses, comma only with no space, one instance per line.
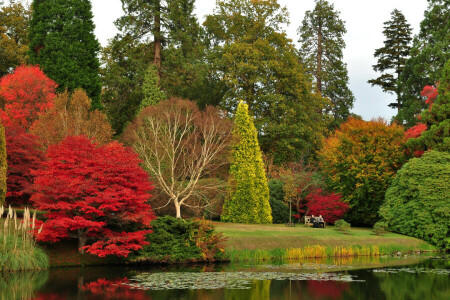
(417,202)
(177,240)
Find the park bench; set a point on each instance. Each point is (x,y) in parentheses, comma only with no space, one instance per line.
(309,223)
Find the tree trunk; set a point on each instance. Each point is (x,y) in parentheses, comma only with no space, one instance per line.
(319,59)
(157,38)
(81,242)
(178,209)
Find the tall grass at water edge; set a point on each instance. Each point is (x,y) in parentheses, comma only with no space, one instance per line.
(314,251)
(18,250)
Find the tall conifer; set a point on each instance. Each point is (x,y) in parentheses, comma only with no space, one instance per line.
(248,195)
(322,43)
(63,43)
(392,57)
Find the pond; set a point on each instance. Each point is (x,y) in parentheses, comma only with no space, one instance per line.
(411,277)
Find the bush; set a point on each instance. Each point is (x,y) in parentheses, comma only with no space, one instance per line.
(417,202)
(280,210)
(379,227)
(342,225)
(179,240)
(328,205)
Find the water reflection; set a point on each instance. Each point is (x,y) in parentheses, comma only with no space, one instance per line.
(427,280)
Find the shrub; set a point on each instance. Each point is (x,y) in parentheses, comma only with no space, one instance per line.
(417,202)
(177,240)
(379,227)
(342,225)
(280,211)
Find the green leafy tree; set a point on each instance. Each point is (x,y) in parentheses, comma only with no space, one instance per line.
(429,52)
(248,199)
(437,119)
(14,19)
(417,201)
(63,43)
(3,165)
(125,62)
(151,90)
(255,61)
(322,42)
(392,57)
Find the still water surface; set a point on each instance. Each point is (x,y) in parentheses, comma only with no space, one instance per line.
(348,278)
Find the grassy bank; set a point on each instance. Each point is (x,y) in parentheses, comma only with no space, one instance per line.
(265,242)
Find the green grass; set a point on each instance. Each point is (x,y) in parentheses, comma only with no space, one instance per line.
(17,258)
(277,241)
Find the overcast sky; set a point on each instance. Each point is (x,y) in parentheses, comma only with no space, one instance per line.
(364,22)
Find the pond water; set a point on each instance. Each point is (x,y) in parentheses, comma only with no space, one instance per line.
(365,278)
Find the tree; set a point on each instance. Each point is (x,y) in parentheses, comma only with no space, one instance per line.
(96,194)
(417,200)
(255,61)
(3,165)
(429,52)
(392,57)
(63,43)
(329,206)
(125,63)
(322,42)
(248,195)
(180,146)
(360,161)
(72,115)
(25,94)
(436,118)
(151,90)
(14,19)
(24,157)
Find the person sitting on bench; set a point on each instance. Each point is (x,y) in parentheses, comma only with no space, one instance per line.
(321,222)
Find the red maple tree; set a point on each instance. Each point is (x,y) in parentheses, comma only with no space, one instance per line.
(329,206)
(25,94)
(24,156)
(95,193)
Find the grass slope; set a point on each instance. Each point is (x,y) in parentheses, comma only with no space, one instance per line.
(279,236)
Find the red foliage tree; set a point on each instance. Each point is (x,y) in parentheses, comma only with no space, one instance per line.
(24,156)
(25,94)
(431,92)
(97,194)
(329,206)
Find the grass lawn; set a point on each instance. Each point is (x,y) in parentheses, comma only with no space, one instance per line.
(279,236)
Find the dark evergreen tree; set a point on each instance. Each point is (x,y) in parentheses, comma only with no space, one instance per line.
(392,57)
(429,52)
(321,38)
(63,43)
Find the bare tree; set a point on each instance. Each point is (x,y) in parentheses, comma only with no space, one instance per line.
(181,146)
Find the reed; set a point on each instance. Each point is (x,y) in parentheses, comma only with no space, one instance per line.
(17,242)
(313,251)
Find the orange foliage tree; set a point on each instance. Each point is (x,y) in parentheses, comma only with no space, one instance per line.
(72,115)
(359,161)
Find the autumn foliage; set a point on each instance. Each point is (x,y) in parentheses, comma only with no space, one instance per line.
(25,94)
(96,194)
(359,161)
(72,115)
(24,157)
(330,206)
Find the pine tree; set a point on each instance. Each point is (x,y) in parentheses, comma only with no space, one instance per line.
(152,92)
(3,165)
(392,57)
(321,38)
(248,198)
(429,52)
(63,43)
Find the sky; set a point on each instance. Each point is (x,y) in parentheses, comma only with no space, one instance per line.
(364,22)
